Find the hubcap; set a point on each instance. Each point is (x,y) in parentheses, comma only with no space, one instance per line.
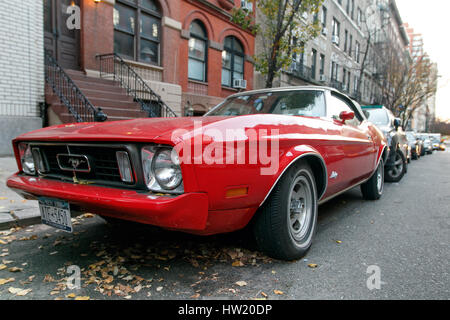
(300,207)
(397,169)
(380,179)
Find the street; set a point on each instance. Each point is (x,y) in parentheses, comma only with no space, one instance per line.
(406,235)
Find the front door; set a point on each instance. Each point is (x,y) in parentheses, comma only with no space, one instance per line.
(61,39)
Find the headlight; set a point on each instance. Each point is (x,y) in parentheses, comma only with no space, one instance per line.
(162,171)
(26,159)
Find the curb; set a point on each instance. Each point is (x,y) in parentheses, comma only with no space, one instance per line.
(20,223)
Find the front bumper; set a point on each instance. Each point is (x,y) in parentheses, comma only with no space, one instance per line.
(188,211)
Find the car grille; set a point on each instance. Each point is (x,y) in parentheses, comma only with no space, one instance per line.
(102,160)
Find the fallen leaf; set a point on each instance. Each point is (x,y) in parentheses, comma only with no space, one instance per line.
(237,263)
(24,292)
(195,296)
(5,281)
(71,295)
(82,298)
(159,289)
(338,241)
(14,290)
(3,266)
(241,283)
(312,265)
(278,292)
(3,242)
(3,198)
(264,294)
(15,269)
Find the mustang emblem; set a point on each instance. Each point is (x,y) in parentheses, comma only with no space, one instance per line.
(73,162)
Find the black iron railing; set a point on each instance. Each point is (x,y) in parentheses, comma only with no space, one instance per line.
(68,92)
(114,67)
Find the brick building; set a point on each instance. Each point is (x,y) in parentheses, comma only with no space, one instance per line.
(22,72)
(187,53)
(176,46)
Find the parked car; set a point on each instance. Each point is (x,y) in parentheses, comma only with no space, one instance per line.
(415,144)
(142,170)
(397,163)
(427,145)
(435,140)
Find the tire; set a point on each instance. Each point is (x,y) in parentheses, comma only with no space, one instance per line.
(285,225)
(398,170)
(373,188)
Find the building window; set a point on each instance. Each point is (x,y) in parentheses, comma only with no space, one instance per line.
(336,31)
(137,28)
(352,9)
(313,64)
(322,64)
(232,61)
(359,17)
(350,44)
(323,19)
(197,51)
(345,40)
(357,48)
(334,71)
(347,8)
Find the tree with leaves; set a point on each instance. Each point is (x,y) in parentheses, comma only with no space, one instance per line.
(279,23)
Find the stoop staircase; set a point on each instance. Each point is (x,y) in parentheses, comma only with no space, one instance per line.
(72,96)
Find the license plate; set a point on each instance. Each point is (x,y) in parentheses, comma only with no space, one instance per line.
(56,213)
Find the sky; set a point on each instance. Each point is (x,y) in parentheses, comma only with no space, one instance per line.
(430,18)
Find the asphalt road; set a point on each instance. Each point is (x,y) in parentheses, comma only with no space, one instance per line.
(406,235)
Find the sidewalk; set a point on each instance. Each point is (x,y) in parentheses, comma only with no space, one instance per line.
(14,210)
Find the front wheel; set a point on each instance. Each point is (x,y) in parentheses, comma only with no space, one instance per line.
(397,170)
(285,225)
(373,188)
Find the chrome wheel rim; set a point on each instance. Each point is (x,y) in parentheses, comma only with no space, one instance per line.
(300,207)
(397,169)
(380,179)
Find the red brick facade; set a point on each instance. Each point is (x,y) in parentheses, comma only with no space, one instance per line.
(97,37)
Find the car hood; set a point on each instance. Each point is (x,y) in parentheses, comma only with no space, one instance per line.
(161,130)
(141,129)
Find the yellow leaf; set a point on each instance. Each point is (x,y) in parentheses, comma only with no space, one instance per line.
(2,266)
(82,298)
(3,198)
(71,295)
(14,290)
(237,263)
(5,281)
(195,296)
(278,292)
(15,269)
(264,294)
(338,241)
(241,283)
(22,293)
(312,265)
(3,242)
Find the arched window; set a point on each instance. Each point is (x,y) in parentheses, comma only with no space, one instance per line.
(232,61)
(197,52)
(137,30)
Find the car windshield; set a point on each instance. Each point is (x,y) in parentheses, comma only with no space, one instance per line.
(378,116)
(309,103)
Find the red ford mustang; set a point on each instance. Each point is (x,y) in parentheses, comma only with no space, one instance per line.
(266,158)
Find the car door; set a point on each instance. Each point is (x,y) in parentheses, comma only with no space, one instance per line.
(355,141)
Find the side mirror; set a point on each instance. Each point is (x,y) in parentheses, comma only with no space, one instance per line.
(397,123)
(346,115)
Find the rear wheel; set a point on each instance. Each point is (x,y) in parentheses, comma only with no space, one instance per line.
(396,172)
(285,225)
(373,188)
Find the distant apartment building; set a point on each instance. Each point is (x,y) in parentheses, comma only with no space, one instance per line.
(22,69)
(337,57)
(424,114)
